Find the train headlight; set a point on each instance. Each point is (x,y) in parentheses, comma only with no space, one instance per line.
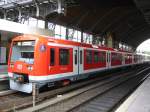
(11,65)
(30,68)
(20,79)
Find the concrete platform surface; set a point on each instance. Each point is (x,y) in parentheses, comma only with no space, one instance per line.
(139,101)
(3,72)
(3,69)
(3,77)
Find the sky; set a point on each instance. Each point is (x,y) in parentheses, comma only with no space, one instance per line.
(145,46)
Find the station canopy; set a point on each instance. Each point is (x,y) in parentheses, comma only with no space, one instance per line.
(127,20)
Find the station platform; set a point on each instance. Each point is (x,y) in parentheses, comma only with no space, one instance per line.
(139,101)
(3,72)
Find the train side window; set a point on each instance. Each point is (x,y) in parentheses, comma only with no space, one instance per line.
(96,57)
(76,54)
(80,57)
(89,57)
(52,56)
(64,56)
(120,57)
(102,57)
(113,57)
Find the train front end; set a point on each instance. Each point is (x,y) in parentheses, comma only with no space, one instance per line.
(21,63)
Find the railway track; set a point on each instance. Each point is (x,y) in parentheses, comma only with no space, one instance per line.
(6,92)
(18,100)
(4,84)
(71,101)
(112,98)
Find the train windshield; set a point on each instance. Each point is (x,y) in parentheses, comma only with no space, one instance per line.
(23,51)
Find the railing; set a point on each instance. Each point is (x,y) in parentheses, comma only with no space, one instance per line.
(11,3)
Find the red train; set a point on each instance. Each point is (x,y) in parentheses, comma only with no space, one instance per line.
(45,60)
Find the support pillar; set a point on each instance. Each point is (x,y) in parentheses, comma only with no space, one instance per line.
(67,33)
(103,41)
(116,44)
(82,37)
(0,48)
(99,41)
(0,39)
(5,14)
(94,39)
(59,10)
(46,24)
(109,41)
(19,15)
(35,92)
(37,8)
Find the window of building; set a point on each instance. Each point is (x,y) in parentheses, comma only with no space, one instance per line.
(64,56)
(87,38)
(71,34)
(79,36)
(63,32)
(52,56)
(58,31)
(75,36)
(41,24)
(89,57)
(33,22)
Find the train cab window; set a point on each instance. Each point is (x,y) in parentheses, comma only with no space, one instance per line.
(80,57)
(27,54)
(63,56)
(23,51)
(52,56)
(96,57)
(89,56)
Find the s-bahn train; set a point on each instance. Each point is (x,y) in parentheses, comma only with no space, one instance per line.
(44,60)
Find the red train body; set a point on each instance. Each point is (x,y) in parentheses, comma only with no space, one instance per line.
(44,60)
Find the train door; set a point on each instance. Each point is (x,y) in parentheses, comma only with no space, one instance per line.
(132,58)
(123,59)
(80,60)
(108,59)
(75,60)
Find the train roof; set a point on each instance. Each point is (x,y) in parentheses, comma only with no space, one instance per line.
(26,37)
